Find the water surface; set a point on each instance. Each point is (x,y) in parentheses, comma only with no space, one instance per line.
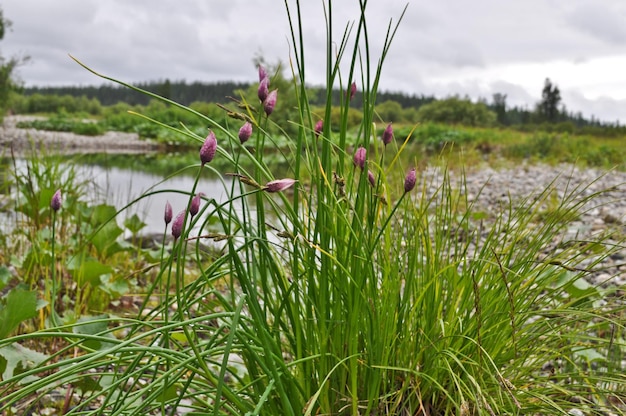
(119,186)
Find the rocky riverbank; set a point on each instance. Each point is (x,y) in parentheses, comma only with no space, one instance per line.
(601,196)
(24,141)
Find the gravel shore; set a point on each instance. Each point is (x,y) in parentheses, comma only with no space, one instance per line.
(25,140)
(491,190)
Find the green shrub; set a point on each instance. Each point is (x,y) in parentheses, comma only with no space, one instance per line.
(456,111)
(542,146)
(436,137)
(50,104)
(604,156)
(63,123)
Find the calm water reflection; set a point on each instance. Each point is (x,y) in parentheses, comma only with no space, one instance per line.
(121,186)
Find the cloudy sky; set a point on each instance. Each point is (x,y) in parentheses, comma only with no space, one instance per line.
(447,47)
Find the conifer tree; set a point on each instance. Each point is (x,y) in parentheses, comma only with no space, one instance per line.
(548,108)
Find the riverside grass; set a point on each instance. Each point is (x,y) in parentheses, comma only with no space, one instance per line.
(343,295)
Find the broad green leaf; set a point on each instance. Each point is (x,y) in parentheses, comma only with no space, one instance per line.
(16,261)
(18,359)
(589,354)
(105,239)
(103,214)
(44,234)
(575,286)
(94,325)
(168,394)
(103,219)
(582,287)
(595,247)
(45,196)
(116,288)
(88,271)
(480,215)
(19,305)
(85,211)
(179,336)
(87,384)
(134,224)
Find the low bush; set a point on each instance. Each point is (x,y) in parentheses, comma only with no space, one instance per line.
(63,123)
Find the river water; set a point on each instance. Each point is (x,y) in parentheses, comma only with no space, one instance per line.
(119,187)
(122,186)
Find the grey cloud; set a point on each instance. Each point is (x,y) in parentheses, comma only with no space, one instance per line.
(437,53)
(516,95)
(460,53)
(604,22)
(603,108)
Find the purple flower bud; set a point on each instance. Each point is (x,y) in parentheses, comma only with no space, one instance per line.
(388,135)
(359,157)
(352,90)
(245,132)
(319,126)
(270,102)
(279,185)
(207,152)
(262,73)
(409,181)
(177,225)
(55,202)
(371,178)
(195,204)
(264,89)
(168,212)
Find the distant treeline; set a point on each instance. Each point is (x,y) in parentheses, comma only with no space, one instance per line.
(180,91)
(397,106)
(184,93)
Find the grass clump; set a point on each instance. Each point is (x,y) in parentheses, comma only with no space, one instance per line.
(352,284)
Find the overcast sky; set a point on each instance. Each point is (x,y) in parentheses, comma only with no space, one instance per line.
(475,48)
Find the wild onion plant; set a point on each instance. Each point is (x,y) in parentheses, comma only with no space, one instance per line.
(359,284)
